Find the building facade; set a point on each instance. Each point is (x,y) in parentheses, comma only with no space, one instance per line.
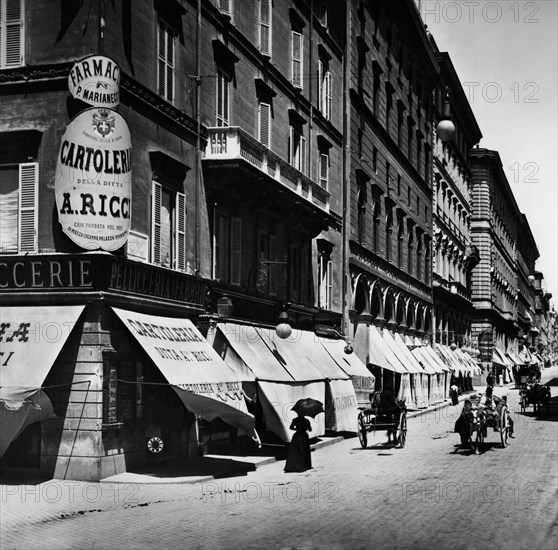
(232,210)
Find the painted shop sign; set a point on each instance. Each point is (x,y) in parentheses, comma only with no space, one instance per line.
(99,272)
(93,181)
(96,81)
(22,273)
(141,279)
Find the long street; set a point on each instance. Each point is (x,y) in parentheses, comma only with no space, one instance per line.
(430,494)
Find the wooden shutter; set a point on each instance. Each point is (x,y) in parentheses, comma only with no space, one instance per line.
(156,199)
(224,6)
(11,33)
(265,27)
(324,170)
(180,232)
(320,85)
(264,123)
(28,206)
(165,61)
(236,250)
(296,59)
(302,155)
(222,99)
(327,96)
(272,267)
(220,247)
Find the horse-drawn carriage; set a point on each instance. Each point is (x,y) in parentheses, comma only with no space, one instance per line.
(384,413)
(536,395)
(475,419)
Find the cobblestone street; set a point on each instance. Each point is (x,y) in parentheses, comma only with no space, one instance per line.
(431,494)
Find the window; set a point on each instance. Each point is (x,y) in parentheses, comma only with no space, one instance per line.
(410,246)
(296,59)
(389,231)
(324,90)
(400,237)
(227,235)
(325,275)
(122,390)
(361,213)
(264,123)
(297,150)
(267,264)
(222,95)
(298,273)
(165,61)
(376,220)
(225,6)
(11,33)
(324,170)
(168,233)
(265,27)
(19,184)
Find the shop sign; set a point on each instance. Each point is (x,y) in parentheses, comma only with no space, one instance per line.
(96,81)
(93,180)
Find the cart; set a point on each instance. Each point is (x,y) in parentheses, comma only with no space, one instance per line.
(394,420)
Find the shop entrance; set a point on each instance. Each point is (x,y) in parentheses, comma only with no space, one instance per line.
(25,451)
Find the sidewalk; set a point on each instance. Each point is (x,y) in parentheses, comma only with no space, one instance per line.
(216,466)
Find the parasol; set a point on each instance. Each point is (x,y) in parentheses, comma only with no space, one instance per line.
(308,407)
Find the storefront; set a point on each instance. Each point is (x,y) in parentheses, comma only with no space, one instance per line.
(107,369)
(279,371)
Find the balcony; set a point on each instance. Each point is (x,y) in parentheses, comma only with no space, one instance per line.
(234,144)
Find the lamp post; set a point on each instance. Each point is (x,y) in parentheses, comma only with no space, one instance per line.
(446,128)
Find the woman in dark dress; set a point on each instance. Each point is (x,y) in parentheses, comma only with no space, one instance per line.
(298,458)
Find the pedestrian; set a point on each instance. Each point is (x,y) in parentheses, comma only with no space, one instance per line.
(490,380)
(454,392)
(298,457)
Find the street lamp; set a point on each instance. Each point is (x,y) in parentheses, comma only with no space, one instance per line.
(329,331)
(283,328)
(446,128)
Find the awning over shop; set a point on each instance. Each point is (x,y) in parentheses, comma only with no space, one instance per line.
(525,356)
(300,361)
(436,360)
(499,357)
(204,382)
(361,378)
(475,370)
(381,355)
(31,339)
(451,360)
(514,358)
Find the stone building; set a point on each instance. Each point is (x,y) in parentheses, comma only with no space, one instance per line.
(454,254)
(392,75)
(225,211)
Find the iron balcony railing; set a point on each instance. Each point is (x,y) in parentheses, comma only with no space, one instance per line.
(232,142)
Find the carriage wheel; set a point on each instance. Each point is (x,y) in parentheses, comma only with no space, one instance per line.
(402,428)
(505,426)
(362,435)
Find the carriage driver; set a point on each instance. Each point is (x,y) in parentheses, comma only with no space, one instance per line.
(490,405)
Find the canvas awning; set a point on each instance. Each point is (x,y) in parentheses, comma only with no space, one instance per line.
(204,382)
(514,358)
(31,340)
(499,357)
(454,363)
(381,355)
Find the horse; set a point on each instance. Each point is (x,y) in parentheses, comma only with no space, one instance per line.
(471,425)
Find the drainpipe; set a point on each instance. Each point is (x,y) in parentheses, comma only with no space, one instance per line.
(346,178)
(197,153)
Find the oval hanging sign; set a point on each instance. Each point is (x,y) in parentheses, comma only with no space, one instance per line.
(93,182)
(96,80)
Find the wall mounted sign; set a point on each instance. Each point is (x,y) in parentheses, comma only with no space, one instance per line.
(96,81)
(93,181)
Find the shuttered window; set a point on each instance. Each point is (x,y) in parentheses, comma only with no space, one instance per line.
(297,150)
(324,170)
(168,227)
(11,33)
(222,98)
(227,248)
(325,276)
(165,61)
(265,26)
(225,6)
(19,208)
(324,90)
(264,116)
(296,59)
